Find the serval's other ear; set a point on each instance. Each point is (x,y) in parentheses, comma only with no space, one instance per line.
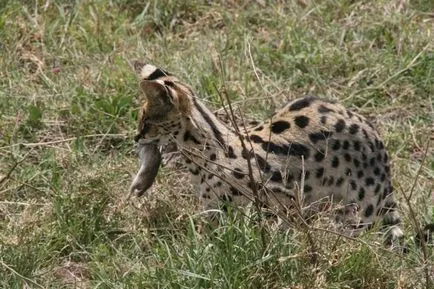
(158,98)
(138,66)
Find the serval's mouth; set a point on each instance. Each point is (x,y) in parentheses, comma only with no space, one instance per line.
(150,160)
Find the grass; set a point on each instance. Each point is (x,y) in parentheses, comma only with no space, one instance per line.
(68,103)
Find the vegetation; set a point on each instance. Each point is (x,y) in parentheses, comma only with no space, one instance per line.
(68,104)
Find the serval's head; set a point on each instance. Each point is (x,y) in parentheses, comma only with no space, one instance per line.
(164,107)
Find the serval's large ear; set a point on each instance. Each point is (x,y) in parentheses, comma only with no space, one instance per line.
(158,98)
(137,66)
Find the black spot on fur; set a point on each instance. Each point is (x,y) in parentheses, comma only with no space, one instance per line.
(353,185)
(347,157)
(356,145)
(262,163)
(361,193)
(306,175)
(356,163)
(188,136)
(307,188)
(280,126)
(383,177)
(371,146)
(318,136)
(226,198)
(213,157)
(238,173)
(293,149)
(360,174)
(340,125)
(319,156)
(372,161)
(230,153)
(276,176)
(300,104)
(247,154)
(377,171)
(350,114)
(377,189)
(379,157)
(387,168)
(339,182)
(289,178)
(365,134)
(235,192)
(324,109)
(348,172)
(301,121)
(336,145)
(331,181)
(354,128)
(369,181)
(319,172)
(259,128)
(346,145)
(195,171)
(256,138)
(335,162)
(369,210)
(323,119)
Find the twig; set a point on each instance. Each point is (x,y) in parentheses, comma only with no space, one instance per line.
(19,275)
(11,170)
(413,218)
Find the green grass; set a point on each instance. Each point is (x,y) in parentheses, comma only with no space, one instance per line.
(68,103)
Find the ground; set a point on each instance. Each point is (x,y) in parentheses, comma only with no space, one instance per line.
(68,104)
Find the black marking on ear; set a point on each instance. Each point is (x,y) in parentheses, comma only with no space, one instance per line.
(169,83)
(157,74)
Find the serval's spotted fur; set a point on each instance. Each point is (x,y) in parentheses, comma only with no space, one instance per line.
(336,154)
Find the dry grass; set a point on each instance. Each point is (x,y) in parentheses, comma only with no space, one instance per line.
(68,109)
